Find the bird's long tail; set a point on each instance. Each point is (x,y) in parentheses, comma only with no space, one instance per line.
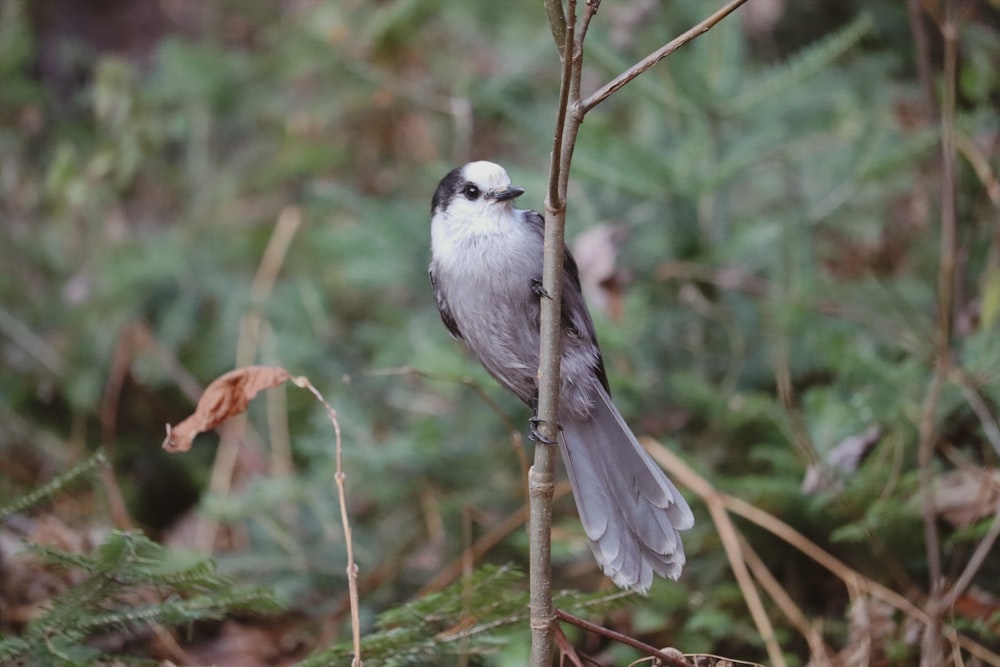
(630,510)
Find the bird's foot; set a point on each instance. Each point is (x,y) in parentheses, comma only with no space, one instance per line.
(539,290)
(537,435)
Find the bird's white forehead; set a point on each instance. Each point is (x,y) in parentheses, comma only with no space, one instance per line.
(486,175)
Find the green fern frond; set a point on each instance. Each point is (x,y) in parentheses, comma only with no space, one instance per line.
(177,611)
(469,617)
(804,65)
(126,583)
(49,490)
(892,158)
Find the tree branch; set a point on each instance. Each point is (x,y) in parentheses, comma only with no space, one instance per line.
(610,88)
(540,477)
(664,658)
(569,36)
(557,23)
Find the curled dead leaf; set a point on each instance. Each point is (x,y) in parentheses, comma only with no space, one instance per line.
(841,461)
(965,495)
(601,277)
(227,396)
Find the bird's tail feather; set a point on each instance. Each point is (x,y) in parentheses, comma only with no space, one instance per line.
(630,510)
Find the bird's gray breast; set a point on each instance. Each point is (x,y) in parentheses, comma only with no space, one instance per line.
(487,286)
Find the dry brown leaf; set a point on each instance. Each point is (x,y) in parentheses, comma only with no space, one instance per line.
(226,397)
(840,461)
(871,628)
(981,605)
(602,280)
(966,495)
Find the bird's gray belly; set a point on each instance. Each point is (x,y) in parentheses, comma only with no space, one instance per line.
(505,338)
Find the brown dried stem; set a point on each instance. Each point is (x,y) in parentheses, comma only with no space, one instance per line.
(610,88)
(931,650)
(228,396)
(665,658)
(352,567)
(854,580)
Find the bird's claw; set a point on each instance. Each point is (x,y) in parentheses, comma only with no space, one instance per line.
(539,290)
(537,435)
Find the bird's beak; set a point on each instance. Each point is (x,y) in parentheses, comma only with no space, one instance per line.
(506,192)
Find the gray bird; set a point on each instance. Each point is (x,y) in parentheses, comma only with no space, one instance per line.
(486,271)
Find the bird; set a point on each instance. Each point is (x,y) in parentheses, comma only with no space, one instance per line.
(485,273)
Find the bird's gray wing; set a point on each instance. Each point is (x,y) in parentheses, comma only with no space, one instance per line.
(442,306)
(576,319)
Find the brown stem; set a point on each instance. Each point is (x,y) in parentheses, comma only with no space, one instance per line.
(341,479)
(665,658)
(923,52)
(635,70)
(569,117)
(557,23)
(931,650)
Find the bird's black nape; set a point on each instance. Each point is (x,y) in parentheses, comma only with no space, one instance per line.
(446,189)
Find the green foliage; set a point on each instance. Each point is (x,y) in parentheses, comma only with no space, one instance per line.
(471,617)
(780,190)
(125,585)
(54,486)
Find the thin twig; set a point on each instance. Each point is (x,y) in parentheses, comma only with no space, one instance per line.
(341,477)
(983,549)
(555,201)
(608,89)
(914,14)
(686,476)
(589,12)
(931,650)
(987,420)
(233,433)
(980,165)
(566,650)
(820,653)
(557,23)
(120,363)
(540,476)
(569,117)
(620,638)
(729,537)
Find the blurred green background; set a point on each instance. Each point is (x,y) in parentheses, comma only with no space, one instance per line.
(775,189)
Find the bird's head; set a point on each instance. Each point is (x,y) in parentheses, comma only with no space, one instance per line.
(477,190)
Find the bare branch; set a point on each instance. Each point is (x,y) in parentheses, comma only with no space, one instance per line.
(569,117)
(983,549)
(665,658)
(931,650)
(615,84)
(557,170)
(557,23)
(921,44)
(589,11)
(541,484)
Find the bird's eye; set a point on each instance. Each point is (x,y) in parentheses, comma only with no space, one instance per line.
(471,192)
